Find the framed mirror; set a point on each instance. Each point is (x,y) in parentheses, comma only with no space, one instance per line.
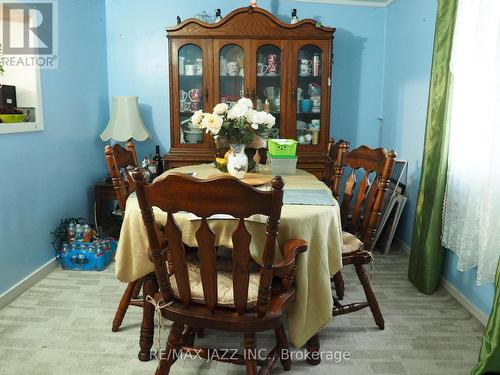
(20,92)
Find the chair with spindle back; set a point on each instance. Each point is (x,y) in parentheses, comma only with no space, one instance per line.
(198,293)
(332,177)
(118,159)
(360,211)
(332,172)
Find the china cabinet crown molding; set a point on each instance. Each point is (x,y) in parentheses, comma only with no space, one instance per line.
(260,23)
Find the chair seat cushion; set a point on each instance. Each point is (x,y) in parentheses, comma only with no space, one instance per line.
(249,321)
(225,296)
(350,243)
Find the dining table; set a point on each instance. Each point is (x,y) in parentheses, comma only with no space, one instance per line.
(318,223)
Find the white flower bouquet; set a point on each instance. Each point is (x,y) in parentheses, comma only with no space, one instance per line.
(237,123)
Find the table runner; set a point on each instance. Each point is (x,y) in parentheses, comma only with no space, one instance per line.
(318,225)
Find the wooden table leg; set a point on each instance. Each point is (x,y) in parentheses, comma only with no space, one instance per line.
(150,287)
(313,354)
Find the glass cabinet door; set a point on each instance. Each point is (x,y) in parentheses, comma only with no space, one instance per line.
(231,73)
(310,95)
(191,91)
(268,84)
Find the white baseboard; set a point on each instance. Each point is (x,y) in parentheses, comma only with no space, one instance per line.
(478,314)
(26,283)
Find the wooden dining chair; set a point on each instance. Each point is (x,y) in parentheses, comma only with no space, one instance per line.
(118,160)
(197,293)
(332,177)
(360,210)
(333,169)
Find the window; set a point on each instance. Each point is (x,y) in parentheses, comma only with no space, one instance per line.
(471,218)
(28,94)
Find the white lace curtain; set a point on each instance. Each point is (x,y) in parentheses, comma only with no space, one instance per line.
(471,218)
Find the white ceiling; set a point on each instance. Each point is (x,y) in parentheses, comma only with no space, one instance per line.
(370,3)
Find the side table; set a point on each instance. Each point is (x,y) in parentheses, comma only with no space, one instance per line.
(104,191)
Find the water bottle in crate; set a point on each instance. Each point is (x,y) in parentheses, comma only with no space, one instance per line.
(87,256)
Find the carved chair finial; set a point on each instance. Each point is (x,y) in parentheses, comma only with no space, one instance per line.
(277,183)
(138,174)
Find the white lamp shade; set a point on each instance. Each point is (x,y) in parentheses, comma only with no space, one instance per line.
(125,122)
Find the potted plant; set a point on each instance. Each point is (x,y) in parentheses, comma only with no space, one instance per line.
(237,124)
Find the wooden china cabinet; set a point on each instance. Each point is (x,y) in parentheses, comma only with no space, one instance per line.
(251,53)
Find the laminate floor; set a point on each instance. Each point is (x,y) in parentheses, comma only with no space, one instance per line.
(62,325)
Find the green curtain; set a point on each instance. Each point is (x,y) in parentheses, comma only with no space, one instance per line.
(426,257)
(489,356)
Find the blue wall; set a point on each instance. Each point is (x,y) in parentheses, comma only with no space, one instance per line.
(408,58)
(48,175)
(137,53)
(465,282)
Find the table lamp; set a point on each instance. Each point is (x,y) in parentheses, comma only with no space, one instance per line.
(126,122)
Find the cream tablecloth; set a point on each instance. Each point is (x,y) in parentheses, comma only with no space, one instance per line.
(318,225)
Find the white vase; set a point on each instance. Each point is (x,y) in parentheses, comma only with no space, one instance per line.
(237,163)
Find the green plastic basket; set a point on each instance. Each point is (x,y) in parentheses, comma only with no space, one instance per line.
(282,148)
